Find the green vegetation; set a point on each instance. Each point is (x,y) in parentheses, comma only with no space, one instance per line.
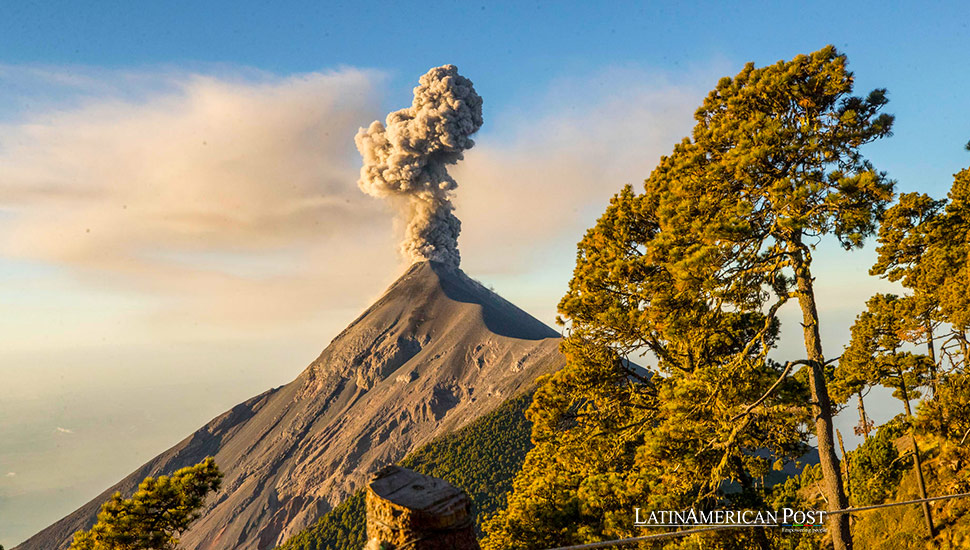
(904,343)
(343,528)
(156,515)
(924,244)
(947,413)
(876,467)
(874,356)
(695,270)
(481,458)
(904,527)
(875,470)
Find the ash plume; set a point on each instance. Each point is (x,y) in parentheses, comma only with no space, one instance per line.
(407,161)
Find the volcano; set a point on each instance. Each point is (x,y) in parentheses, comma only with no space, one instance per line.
(436,351)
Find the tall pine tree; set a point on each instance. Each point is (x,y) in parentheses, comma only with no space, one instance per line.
(695,271)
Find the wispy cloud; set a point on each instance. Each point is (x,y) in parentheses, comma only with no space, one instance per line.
(11,474)
(233,199)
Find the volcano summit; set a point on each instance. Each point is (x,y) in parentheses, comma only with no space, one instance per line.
(434,352)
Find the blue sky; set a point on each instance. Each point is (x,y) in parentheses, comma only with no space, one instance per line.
(513,48)
(116,115)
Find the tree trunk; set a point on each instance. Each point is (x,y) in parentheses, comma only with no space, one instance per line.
(863,418)
(941,428)
(848,467)
(927,515)
(904,391)
(931,353)
(821,405)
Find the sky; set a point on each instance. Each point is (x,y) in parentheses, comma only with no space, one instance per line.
(180,226)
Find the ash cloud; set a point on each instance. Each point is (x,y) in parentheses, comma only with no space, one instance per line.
(407,161)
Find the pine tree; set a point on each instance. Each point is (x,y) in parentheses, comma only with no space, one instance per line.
(925,244)
(948,409)
(156,515)
(952,258)
(874,356)
(776,154)
(695,270)
(607,438)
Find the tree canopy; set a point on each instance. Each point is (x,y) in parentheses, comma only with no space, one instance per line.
(693,272)
(925,245)
(156,515)
(875,354)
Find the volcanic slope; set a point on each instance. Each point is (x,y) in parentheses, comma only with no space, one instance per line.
(435,352)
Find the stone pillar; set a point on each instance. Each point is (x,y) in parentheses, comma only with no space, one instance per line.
(410,511)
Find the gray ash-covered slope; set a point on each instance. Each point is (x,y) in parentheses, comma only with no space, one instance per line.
(436,351)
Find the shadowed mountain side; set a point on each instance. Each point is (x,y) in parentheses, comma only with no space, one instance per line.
(500,316)
(435,352)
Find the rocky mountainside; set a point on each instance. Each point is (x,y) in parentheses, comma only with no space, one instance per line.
(435,352)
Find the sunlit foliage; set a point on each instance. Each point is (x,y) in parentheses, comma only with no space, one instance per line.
(156,515)
(693,272)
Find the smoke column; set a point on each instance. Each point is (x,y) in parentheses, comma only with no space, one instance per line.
(407,160)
